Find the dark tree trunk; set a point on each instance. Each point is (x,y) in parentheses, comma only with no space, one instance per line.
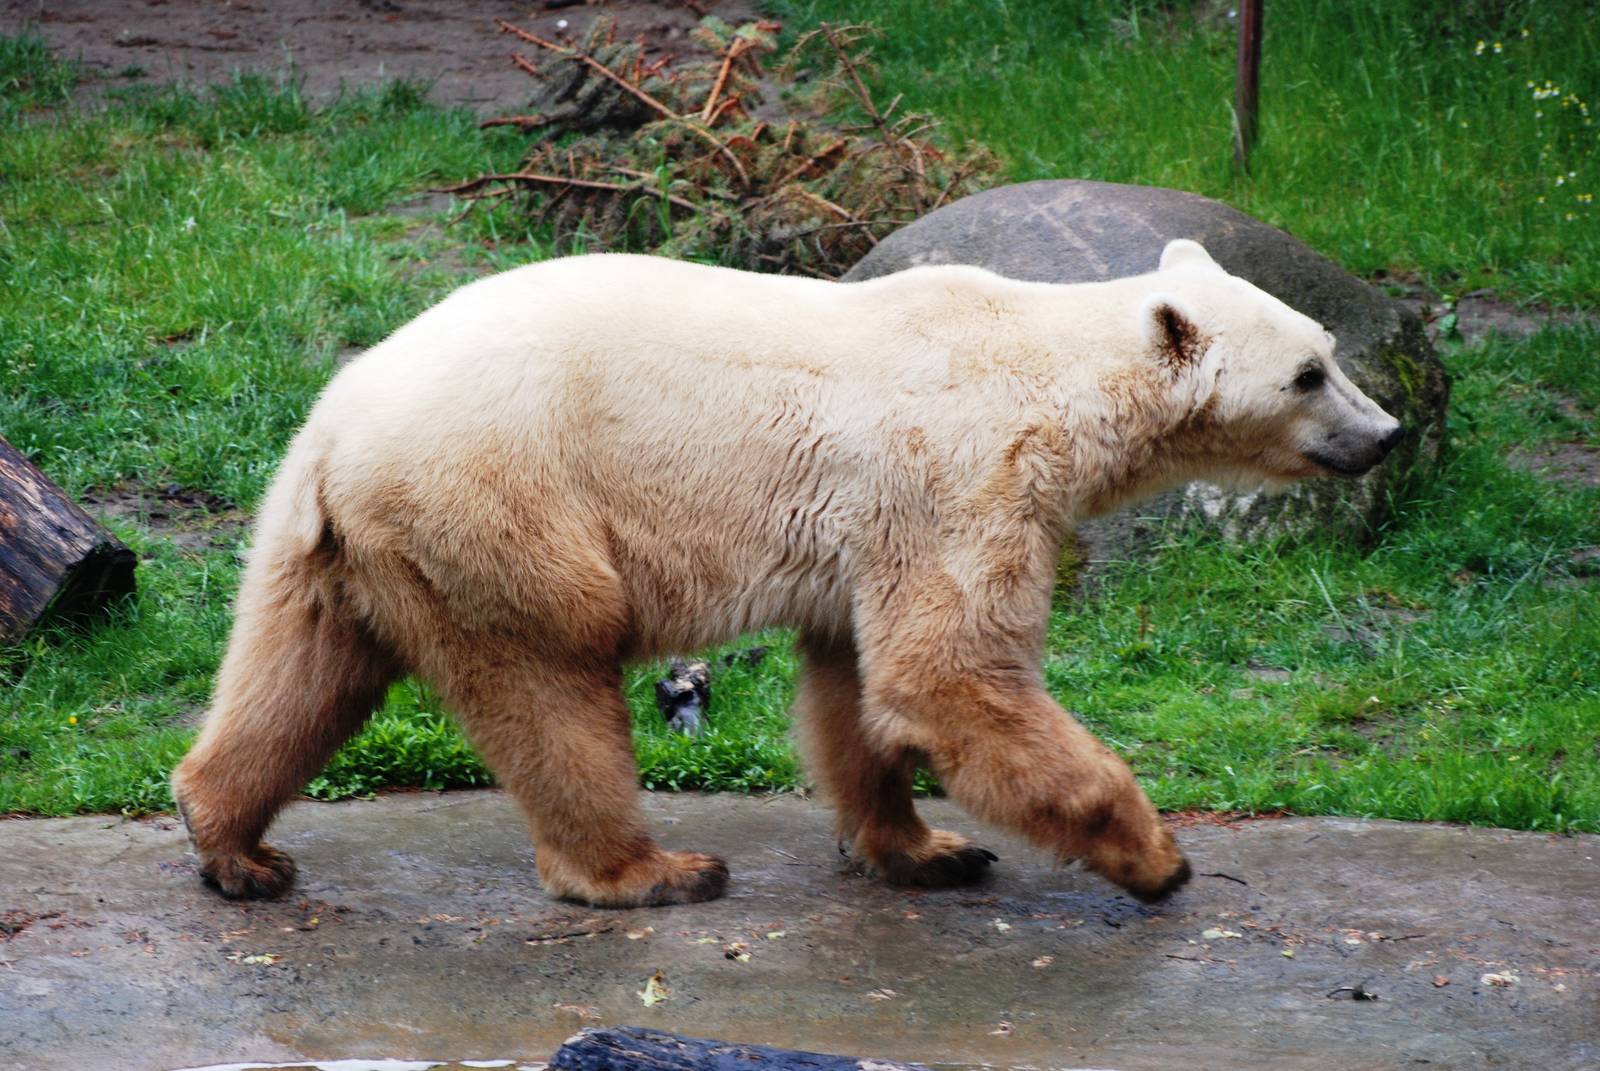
(56,562)
(1247,89)
(633,1048)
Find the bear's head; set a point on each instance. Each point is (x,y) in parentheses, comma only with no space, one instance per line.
(1265,399)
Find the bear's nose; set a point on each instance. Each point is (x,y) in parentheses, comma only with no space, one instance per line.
(1391,440)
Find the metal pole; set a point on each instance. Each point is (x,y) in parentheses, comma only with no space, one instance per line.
(1248,86)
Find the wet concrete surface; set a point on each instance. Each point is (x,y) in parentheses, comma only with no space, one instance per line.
(419,931)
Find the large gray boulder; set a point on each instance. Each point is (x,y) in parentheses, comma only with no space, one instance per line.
(1069,231)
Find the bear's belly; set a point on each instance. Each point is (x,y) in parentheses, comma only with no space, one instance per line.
(680,602)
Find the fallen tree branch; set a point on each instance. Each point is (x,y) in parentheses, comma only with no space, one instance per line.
(628,87)
(478,183)
(525,122)
(802,194)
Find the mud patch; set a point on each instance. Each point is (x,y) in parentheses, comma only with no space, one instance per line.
(1561,462)
(451,44)
(194,520)
(1373,629)
(1481,313)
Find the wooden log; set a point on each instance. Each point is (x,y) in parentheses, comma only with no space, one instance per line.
(56,561)
(635,1048)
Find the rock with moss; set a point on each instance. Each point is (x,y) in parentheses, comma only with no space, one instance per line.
(1069,231)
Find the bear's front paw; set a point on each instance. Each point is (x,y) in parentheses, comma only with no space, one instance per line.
(946,860)
(1155,888)
(1151,872)
(261,874)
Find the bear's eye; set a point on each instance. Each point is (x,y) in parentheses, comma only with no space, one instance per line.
(1310,379)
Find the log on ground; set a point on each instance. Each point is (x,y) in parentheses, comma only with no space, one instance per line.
(634,1048)
(56,561)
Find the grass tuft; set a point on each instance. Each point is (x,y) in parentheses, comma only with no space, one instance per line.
(31,77)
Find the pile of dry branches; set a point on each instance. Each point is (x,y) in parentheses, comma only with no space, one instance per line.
(678,160)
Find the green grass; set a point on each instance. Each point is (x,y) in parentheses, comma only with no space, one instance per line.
(178,272)
(1387,141)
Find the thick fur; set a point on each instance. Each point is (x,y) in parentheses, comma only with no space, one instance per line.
(597,459)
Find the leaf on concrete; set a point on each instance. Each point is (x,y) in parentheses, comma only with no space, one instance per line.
(655,990)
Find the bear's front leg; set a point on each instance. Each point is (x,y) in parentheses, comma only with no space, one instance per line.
(870,786)
(1009,754)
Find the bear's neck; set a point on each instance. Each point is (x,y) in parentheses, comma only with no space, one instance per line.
(1129,438)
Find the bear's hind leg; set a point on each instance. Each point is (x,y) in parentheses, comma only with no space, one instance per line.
(558,739)
(870,790)
(299,679)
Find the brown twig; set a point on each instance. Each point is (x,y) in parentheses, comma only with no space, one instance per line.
(810,161)
(725,107)
(527,67)
(861,90)
(735,46)
(546,938)
(825,203)
(473,202)
(526,122)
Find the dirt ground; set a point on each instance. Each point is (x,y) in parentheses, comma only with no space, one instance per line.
(330,43)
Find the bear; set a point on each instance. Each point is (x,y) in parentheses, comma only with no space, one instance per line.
(603,458)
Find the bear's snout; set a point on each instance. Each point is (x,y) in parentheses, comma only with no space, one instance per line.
(1391,440)
(1345,454)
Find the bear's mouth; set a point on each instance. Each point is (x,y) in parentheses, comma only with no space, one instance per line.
(1338,468)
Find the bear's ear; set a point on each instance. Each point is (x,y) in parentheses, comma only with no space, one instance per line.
(1169,330)
(1184,253)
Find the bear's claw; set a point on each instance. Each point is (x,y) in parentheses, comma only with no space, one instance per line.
(962,866)
(262,874)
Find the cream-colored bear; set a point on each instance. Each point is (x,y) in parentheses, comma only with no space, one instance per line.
(591,460)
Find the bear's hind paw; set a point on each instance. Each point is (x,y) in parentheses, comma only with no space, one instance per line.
(698,877)
(662,879)
(262,874)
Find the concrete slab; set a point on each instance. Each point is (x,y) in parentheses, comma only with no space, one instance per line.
(420,932)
